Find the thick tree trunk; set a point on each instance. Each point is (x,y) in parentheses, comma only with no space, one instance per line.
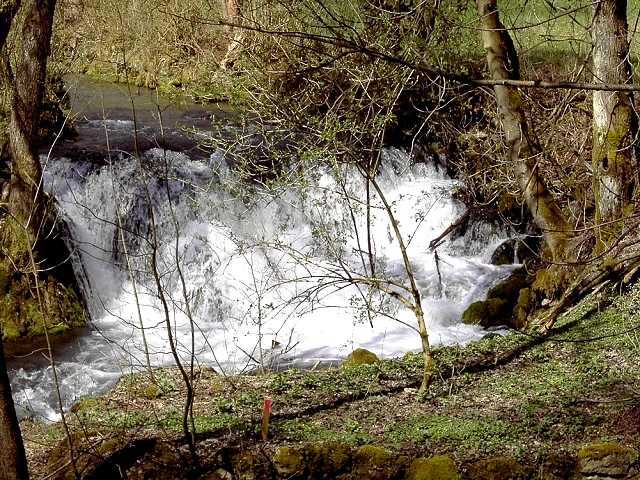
(26,204)
(615,121)
(524,149)
(13,460)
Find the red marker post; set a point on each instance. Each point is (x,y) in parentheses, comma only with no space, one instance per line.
(267,403)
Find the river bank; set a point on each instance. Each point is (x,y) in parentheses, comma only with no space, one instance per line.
(540,405)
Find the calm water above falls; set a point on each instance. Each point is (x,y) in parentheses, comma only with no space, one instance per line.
(264,270)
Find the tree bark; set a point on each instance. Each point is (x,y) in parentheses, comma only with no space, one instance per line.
(13,461)
(524,149)
(26,200)
(8,9)
(615,121)
(233,16)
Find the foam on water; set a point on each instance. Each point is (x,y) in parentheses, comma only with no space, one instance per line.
(267,271)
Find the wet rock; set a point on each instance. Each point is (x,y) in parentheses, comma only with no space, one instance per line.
(486,313)
(360,356)
(505,253)
(528,248)
(288,462)
(498,468)
(504,304)
(509,288)
(516,250)
(438,467)
(603,460)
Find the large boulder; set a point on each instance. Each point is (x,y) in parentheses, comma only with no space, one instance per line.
(505,253)
(507,303)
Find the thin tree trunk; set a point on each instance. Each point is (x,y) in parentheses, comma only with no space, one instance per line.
(615,121)
(13,461)
(524,149)
(26,201)
(233,16)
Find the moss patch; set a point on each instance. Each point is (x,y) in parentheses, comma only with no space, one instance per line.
(360,356)
(22,314)
(438,467)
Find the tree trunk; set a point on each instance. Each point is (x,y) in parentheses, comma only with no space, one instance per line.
(13,461)
(8,10)
(26,200)
(615,121)
(233,16)
(524,149)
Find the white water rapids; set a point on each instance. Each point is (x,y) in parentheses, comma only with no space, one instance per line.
(266,272)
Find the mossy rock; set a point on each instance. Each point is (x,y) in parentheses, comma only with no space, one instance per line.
(510,287)
(438,467)
(152,391)
(360,356)
(501,305)
(498,468)
(606,460)
(88,446)
(524,307)
(487,313)
(85,404)
(505,253)
(376,463)
(26,311)
(551,282)
(327,460)
(251,465)
(558,466)
(23,314)
(289,462)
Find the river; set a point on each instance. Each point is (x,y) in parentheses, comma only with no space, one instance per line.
(251,275)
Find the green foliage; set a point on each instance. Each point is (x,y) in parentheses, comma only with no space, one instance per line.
(479,434)
(352,432)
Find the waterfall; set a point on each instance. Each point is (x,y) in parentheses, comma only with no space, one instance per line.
(267,269)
